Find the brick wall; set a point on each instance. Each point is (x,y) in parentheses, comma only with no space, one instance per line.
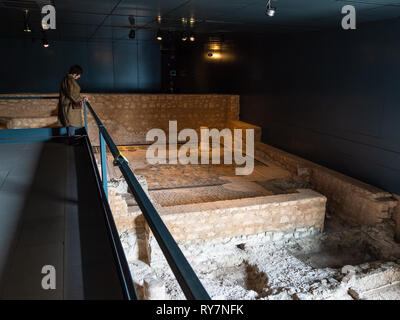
(226,219)
(396,217)
(128,117)
(350,198)
(11,109)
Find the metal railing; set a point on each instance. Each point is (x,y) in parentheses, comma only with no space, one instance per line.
(187,278)
(48,134)
(124,272)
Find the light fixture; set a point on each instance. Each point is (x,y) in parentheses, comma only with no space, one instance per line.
(270,10)
(26,25)
(215,46)
(184,36)
(192,38)
(214,55)
(192,21)
(45,42)
(159,35)
(132,22)
(159,19)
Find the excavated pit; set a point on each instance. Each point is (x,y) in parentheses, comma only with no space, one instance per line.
(289,261)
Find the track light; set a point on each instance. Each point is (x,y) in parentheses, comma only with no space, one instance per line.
(26,25)
(270,10)
(45,43)
(184,36)
(159,35)
(44,40)
(132,22)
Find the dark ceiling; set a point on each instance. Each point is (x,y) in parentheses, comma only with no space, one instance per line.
(97,20)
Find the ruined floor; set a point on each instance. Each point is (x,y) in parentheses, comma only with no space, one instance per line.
(176,184)
(344,263)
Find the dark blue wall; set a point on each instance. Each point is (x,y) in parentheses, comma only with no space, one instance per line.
(120,66)
(332,97)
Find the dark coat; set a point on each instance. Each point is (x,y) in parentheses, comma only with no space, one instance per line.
(70,96)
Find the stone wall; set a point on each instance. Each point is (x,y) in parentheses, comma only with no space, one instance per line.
(12,109)
(226,219)
(276,215)
(128,117)
(396,218)
(350,198)
(236,124)
(38,122)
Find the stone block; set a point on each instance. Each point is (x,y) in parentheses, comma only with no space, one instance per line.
(396,218)
(154,289)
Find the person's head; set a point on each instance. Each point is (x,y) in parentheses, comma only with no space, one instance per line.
(76,71)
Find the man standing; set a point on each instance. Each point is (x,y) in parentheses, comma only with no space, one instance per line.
(70,102)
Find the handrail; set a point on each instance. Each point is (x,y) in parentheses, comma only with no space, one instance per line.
(187,279)
(29,98)
(129,291)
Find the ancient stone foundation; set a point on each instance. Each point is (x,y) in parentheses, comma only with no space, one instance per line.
(276,215)
(352,199)
(128,117)
(206,208)
(396,218)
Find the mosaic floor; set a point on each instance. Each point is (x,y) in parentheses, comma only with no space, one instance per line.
(171,185)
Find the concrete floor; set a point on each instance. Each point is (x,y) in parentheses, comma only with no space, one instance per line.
(50,214)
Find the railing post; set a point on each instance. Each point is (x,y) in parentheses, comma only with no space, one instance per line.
(103,163)
(85,115)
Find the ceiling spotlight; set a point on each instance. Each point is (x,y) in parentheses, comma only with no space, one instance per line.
(270,10)
(159,35)
(26,25)
(192,38)
(132,22)
(45,43)
(44,40)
